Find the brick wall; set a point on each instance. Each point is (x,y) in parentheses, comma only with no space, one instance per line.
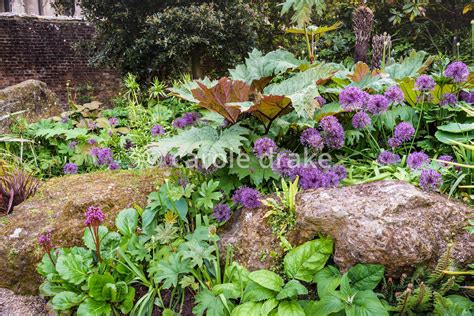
(42,48)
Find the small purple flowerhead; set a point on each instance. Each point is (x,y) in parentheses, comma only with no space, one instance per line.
(388,158)
(430,180)
(94,216)
(45,241)
(310,177)
(446,158)
(361,120)
(333,132)
(64,118)
(72,145)
(114,165)
(468,96)
(311,137)
(103,156)
(157,130)
(91,141)
(352,99)
(395,95)
(113,121)
(394,142)
(188,119)
(221,212)
(70,168)
(404,131)
(448,99)
(264,147)
(322,101)
(424,83)
(458,71)
(168,161)
(283,163)
(377,104)
(247,197)
(92,125)
(417,160)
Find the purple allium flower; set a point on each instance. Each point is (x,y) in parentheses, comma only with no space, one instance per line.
(311,137)
(361,120)
(430,180)
(448,99)
(168,161)
(333,132)
(395,95)
(187,119)
(404,131)
(113,121)
(447,158)
(458,71)
(114,165)
(179,123)
(221,212)
(377,104)
(92,125)
(264,147)
(352,99)
(340,171)
(103,155)
(247,197)
(64,118)
(322,101)
(468,96)
(45,241)
(424,83)
(388,158)
(94,216)
(394,142)
(283,163)
(417,159)
(92,141)
(310,177)
(70,168)
(72,145)
(157,130)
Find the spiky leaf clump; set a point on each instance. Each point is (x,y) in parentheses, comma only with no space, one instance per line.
(362,24)
(16,187)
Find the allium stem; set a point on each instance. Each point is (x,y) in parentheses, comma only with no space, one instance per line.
(419,122)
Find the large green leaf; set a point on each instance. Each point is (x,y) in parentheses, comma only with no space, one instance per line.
(72,268)
(184,91)
(91,307)
(290,308)
(256,293)
(246,309)
(127,221)
(366,303)
(457,127)
(64,301)
(267,279)
(270,107)
(292,289)
(327,281)
(259,69)
(97,283)
(254,170)
(329,305)
(365,276)
(302,10)
(169,270)
(208,304)
(304,261)
(302,87)
(454,138)
(413,65)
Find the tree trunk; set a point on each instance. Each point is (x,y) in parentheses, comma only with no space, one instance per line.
(196,65)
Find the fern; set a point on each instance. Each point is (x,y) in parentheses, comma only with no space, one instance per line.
(205,143)
(443,264)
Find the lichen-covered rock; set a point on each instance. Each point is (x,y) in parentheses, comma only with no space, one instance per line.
(59,207)
(387,222)
(31,96)
(250,236)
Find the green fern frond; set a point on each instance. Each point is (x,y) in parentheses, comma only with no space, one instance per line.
(443,264)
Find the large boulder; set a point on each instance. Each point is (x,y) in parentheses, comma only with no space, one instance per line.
(387,222)
(59,207)
(31,96)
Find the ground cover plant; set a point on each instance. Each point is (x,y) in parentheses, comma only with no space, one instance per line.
(275,125)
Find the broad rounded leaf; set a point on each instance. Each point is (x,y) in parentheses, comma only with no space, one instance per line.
(267,279)
(96,284)
(366,276)
(63,301)
(72,268)
(246,309)
(457,127)
(290,308)
(127,221)
(292,289)
(91,307)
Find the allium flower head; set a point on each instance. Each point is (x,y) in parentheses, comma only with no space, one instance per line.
(221,212)
(72,145)
(64,118)
(188,119)
(388,158)
(333,132)
(264,147)
(361,120)
(322,101)
(92,125)
(94,216)
(448,99)
(468,96)
(394,142)
(113,121)
(395,95)
(157,130)
(168,161)
(430,180)
(70,168)
(352,99)
(377,104)
(283,163)
(311,137)
(458,71)
(247,197)
(313,177)
(91,141)
(114,165)
(447,158)
(103,155)
(404,131)
(424,83)
(417,159)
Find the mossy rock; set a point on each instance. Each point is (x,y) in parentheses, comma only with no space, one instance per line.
(59,207)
